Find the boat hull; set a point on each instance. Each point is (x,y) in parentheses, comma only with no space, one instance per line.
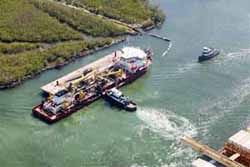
(205,58)
(119,104)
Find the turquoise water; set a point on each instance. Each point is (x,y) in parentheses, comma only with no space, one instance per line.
(176,97)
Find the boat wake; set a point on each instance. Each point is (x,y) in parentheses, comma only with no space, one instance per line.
(172,128)
(166,123)
(176,72)
(242,55)
(186,68)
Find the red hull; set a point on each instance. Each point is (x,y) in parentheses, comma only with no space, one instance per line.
(50,118)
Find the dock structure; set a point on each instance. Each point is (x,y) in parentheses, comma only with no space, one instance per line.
(234,153)
(206,150)
(159,37)
(60,84)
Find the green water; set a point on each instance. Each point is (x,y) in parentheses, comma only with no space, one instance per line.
(177,96)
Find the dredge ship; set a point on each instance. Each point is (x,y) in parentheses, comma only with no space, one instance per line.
(72,92)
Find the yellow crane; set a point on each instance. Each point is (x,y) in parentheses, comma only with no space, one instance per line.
(94,75)
(117,73)
(83,77)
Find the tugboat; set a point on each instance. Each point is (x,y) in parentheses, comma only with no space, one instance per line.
(115,97)
(208,53)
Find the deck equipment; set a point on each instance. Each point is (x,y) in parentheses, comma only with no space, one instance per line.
(73,91)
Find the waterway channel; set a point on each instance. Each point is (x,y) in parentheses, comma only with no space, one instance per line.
(177,97)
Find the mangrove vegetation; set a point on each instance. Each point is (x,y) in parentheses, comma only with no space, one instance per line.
(36,35)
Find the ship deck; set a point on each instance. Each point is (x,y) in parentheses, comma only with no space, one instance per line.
(99,65)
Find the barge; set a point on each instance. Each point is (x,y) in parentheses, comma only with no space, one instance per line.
(234,153)
(72,92)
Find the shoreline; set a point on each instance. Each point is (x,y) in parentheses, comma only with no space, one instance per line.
(13,84)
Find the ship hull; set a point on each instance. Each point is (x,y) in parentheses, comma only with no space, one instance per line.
(119,104)
(205,58)
(38,112)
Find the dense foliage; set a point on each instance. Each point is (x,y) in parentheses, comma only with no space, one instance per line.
(41,34)
(17,66)
(16,47)
(80,20)
(21,21)
(130,11)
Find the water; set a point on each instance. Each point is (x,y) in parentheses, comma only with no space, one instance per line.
(176,97)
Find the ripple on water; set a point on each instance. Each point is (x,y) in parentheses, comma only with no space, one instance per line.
(242,55)
(166,123)
(171,127)
(176,72)
(217,108)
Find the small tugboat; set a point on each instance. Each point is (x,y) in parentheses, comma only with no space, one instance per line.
(115,97)
(208,53)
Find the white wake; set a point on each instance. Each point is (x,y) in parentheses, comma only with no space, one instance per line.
(242,55)
(166,123)
(172,128)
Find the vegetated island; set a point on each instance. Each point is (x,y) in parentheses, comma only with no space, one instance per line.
(37,35)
